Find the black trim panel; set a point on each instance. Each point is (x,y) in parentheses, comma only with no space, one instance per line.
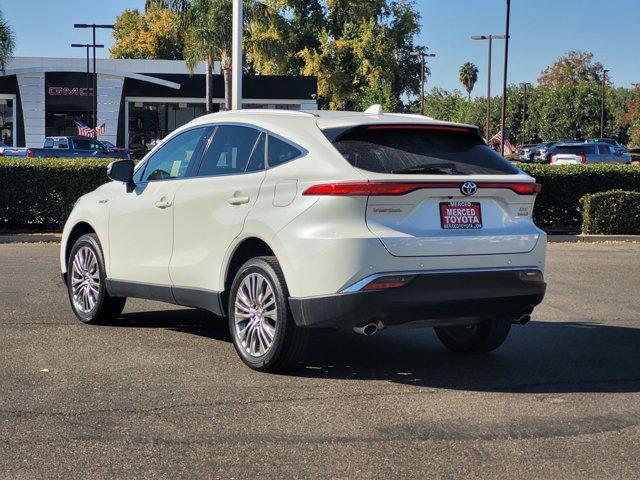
(209,300)
(432,299)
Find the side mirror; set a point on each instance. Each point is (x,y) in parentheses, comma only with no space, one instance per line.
(121,171)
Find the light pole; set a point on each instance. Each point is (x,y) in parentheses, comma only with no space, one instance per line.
(236,56)
(93,27)
(87,46)
(490,38)
(604,81)
(422,53)
(504,79)
(524,111)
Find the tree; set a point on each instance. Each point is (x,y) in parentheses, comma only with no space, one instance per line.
(468,77)
(363,42)
(630,116)
(7,42)
(572,68)
(380,93)
(208,38)
(152,34)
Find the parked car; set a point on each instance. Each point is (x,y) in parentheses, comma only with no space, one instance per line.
(2,147)
(614,143)
(67,147)
(286,222)
(539,153)
(523,152)
(576,153)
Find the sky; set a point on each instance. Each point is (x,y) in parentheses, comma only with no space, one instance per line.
(541,31)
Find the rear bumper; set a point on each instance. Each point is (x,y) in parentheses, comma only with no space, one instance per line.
(430,299)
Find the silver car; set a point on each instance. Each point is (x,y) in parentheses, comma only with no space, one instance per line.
(577,153)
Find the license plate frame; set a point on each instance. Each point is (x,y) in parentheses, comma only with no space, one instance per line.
(468,217)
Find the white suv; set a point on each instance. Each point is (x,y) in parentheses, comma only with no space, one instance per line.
(286,222)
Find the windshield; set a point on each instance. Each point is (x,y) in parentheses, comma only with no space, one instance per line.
(420,149)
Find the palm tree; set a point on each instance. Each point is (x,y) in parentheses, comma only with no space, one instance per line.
(468,77)
(7,43)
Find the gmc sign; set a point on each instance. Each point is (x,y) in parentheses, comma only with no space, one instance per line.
(69,91)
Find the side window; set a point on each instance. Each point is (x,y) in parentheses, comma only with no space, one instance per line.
(280,152)
(604,149)
(229,151)
(589,149)
(174,157)
(48,143)
(82,144)
(62,143)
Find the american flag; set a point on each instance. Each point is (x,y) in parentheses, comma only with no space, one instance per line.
(509,149)
(86,131)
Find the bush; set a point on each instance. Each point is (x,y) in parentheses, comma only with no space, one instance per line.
(612,213)
(558,206)
(38,193)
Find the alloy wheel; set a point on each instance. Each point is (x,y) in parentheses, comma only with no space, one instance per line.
(256,314)
(85,280)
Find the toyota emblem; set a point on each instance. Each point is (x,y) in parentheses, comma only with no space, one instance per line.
(468,188)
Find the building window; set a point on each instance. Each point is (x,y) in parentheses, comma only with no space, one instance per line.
(150,122)
(61,123)
(6,121)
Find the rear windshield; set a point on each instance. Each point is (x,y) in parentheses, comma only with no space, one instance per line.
(419,150)
(572,149)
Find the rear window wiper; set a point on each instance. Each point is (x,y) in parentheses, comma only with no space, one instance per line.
(434,168)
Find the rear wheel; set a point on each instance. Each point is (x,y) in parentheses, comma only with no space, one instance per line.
(260,321)
(475,338)
(86,275)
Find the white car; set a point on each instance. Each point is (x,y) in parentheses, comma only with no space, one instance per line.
(285,222)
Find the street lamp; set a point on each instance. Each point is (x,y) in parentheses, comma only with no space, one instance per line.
(87,46)
(504,79)
(490,38)
(422,53)
(604,80)
(524,110)
(93,27)
(236,56)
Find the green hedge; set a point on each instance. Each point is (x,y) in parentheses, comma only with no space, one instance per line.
(612,213)
(558,206)
(38,193)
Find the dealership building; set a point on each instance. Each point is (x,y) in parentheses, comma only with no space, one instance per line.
(137,100)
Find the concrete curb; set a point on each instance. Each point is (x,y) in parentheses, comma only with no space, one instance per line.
(593,238)
(30,238)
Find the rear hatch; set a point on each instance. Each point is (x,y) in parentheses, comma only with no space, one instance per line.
(439,190)
(568,155)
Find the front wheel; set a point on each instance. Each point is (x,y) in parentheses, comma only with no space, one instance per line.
(480,337)
(260,321)
(86,275)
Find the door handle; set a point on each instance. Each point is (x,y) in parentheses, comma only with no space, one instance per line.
(237,200)
(162,204)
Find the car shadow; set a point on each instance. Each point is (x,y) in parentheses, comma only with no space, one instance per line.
(541,357)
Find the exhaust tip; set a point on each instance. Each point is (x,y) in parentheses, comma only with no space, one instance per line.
(366,329)
(522,320)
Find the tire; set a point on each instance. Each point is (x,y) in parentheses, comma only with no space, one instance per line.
(91,303)
(261,325)
(481,337)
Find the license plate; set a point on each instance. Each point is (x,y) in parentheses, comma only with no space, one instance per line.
(460,215)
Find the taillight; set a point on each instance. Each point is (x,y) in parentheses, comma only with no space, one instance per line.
(552,159)
(359,189)
(30,153)
(583,158)
(389,281)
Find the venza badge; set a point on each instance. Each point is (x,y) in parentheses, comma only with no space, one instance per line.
(468,188)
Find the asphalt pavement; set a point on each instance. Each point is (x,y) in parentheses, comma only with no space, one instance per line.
(161,393)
